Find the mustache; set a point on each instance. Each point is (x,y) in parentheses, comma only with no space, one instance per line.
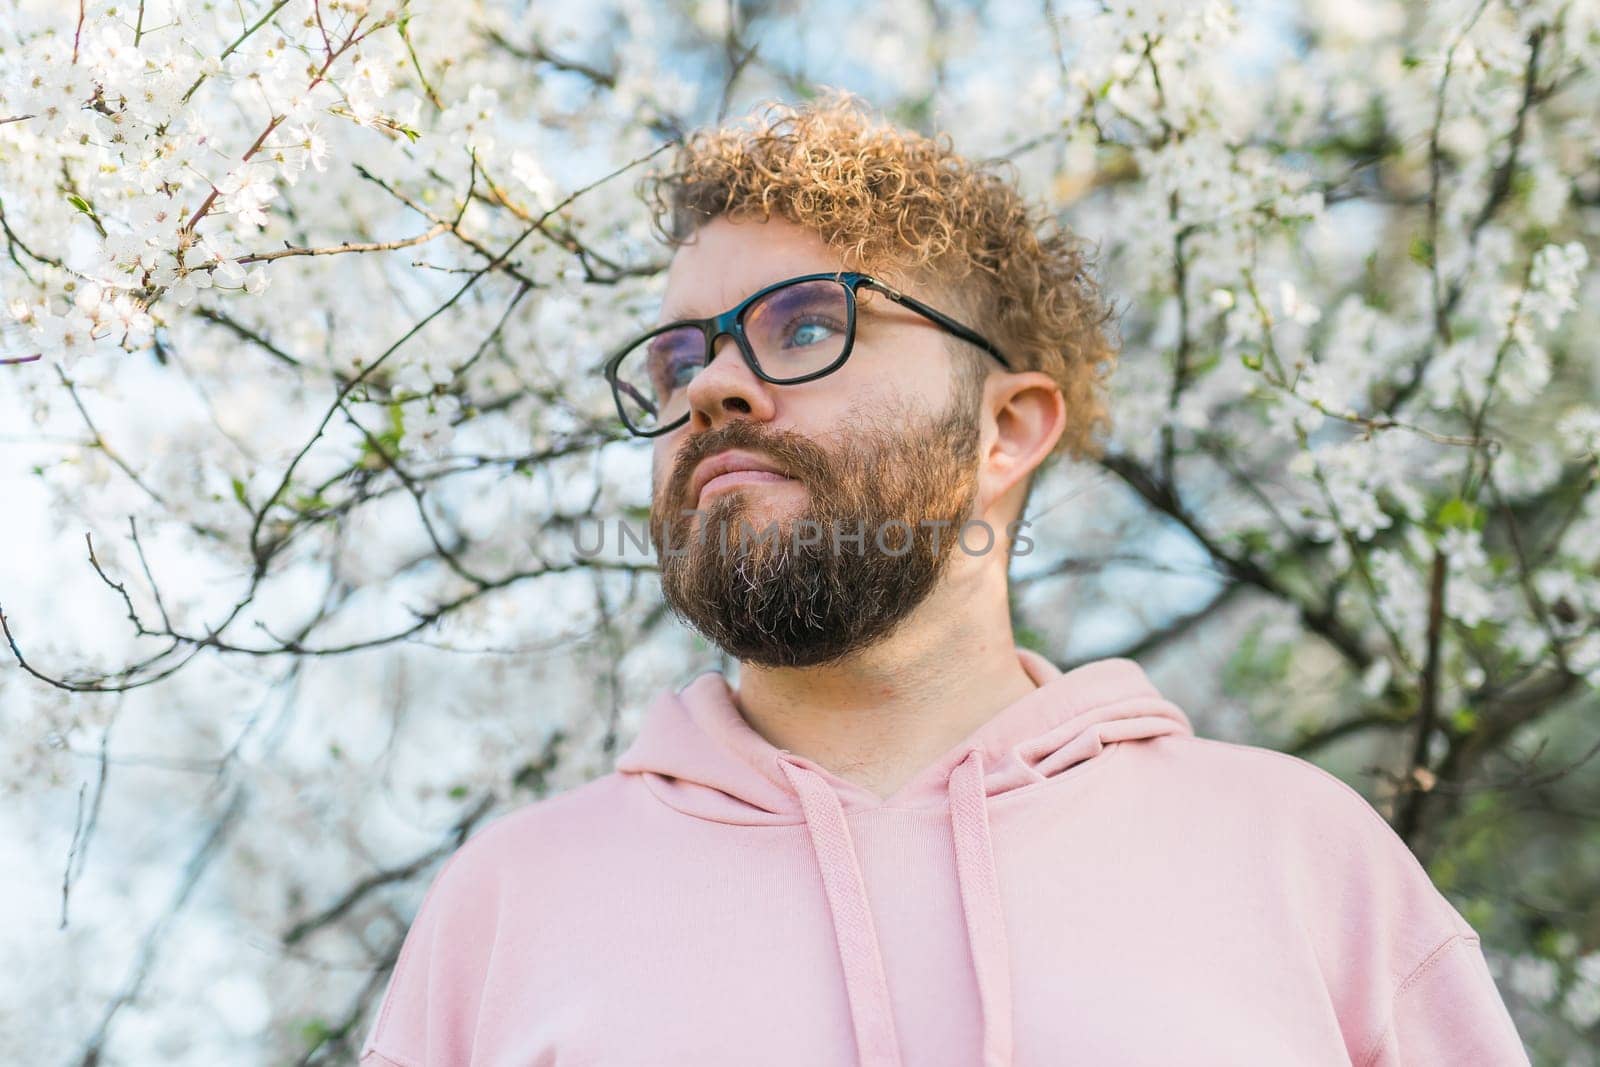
(799,457)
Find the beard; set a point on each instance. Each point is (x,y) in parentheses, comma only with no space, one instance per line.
(805,590)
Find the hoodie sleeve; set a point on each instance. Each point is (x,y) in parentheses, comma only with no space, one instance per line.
(1448,1011)
(430,1009)
(1403,970)
(1406,969)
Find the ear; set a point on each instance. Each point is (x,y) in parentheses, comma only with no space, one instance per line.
(1024,415)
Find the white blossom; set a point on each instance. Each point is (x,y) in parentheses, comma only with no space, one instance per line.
(1534,978)
(1553,281)
(1264,217)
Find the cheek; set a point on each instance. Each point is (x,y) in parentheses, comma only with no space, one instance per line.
(851,392)
(660,463)
(662,458)
(891,371)
(874,404)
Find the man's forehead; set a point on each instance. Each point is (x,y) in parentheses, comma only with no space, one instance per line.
(724,261)
(713,293)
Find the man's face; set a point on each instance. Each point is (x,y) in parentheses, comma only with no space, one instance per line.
(886,446)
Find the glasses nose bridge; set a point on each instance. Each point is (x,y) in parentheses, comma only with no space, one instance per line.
(725,325)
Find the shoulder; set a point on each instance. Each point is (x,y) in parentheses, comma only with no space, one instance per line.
(1276,783)
(1404,970)
(517,844)
(1324,838)
(477,901)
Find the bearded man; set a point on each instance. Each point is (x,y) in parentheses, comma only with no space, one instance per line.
(900,839)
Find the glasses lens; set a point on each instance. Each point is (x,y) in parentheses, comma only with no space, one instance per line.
(652,377)
(799,329)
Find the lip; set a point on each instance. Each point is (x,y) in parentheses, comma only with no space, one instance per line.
(730,468)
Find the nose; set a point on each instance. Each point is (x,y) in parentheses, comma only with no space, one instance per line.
(726,388)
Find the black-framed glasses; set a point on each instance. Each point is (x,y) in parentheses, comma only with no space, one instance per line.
(792,331)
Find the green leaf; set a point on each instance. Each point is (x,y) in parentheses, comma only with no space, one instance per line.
(1256,663)
(1031,639)
(1255,542)
(81,204)
(1478,912)
(1251,360)
(1443,872)
(377,450)
(238,492)
(457,792)
(315,1031)
(1458,512)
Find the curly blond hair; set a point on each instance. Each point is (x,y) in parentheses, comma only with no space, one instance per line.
(894,200)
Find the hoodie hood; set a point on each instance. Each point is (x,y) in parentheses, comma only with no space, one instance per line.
(704,759)
(696,751)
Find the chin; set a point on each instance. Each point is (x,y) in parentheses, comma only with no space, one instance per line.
(752,504)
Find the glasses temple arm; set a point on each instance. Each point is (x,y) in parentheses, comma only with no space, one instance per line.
(964,332)
(638,396)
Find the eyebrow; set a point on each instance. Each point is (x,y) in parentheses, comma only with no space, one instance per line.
(692,313)
(695,312)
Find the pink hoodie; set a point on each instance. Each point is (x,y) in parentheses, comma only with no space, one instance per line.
(1081,880)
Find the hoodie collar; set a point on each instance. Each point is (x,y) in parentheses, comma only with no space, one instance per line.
(701,756)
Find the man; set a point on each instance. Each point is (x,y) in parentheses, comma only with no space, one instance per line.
(902,840)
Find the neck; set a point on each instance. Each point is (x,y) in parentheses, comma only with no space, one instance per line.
(882,714)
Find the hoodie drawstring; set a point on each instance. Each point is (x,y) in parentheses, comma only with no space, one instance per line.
(866,986)
(980,898)
(864,981)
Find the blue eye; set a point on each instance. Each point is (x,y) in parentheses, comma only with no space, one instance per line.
(683,368)
(668,361)
(809,333)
